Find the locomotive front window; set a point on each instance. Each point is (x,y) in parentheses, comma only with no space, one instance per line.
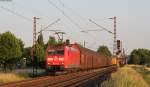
(51,52)
(55,52)
(60,52)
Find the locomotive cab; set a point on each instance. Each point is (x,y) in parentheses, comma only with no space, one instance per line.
(55,59)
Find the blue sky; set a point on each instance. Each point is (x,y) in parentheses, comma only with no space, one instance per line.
(133,17)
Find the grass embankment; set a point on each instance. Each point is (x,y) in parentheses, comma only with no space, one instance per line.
(145,72)
(11,77)
(126,77)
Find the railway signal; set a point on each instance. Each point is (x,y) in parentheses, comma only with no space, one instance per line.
(119,47)
(118,44)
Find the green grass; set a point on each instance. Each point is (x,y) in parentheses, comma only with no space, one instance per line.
(145,73)
(126,77)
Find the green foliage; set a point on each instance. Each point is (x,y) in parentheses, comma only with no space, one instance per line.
(140,56)
(52,41)
(135,59)
(10,48)
(60,42)
(21,44)
(40,39)
(103,50)
(27,54)
(39,52)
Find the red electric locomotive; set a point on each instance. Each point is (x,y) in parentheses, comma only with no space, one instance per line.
(73,57)
(54,58)
(62,57)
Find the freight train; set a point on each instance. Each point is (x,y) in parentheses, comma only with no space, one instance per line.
(73,57)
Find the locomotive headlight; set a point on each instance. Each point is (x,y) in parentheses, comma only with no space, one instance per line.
(50,59)
(61,59)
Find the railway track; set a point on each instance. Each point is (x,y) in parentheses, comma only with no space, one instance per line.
(72,79)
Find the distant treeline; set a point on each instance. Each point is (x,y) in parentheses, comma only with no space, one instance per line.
(139,56)
(13,54)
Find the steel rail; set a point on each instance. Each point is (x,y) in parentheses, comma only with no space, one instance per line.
(72,79)
(77,81)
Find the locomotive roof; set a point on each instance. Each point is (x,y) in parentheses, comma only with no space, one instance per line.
(81,48)
(55,47)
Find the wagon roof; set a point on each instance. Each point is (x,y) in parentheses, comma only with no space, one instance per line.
(85,49)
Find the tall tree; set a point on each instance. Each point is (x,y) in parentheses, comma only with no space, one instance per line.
(10,48)
(39,50)
(40,39)
(103,50)
(39,55)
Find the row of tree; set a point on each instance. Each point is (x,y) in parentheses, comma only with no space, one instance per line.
(11,49)
(13,54)
(103,50)
(139,56)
